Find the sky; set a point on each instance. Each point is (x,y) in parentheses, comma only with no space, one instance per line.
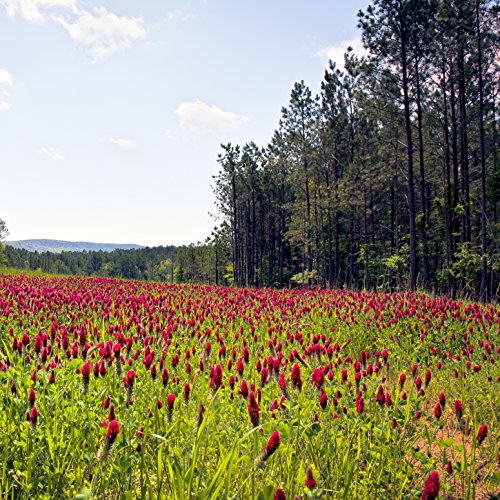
(112,112)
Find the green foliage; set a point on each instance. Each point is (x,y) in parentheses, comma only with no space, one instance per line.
(3,230)
(305,277)
(467,267)
(164,271)
(385,160)
(395,263)
(3,256)
(229,276)
(193,263)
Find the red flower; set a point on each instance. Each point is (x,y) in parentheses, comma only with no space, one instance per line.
(380,396)
(113,431)
(164,377)
(86,372)
(438,411)
(323,400)
(272,445)
(170,401)
(253,409)
(310,481)
(442,399)
(318,377)
(388,399)
(116,350)
(264,374)
(459,409)
(129,379)
(32,397)
(243,389)
(385,355)
(111,415)
(282,382)
(449,467)
(86,369)
(111,435)
(360,406)
(34,416)
(240,367)
(431,487)
(482,433)
(216,381)
(280,494)
(296,380)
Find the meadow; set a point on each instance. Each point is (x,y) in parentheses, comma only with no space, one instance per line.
(127,389)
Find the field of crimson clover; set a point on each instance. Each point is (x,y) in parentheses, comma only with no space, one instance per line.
(125,389)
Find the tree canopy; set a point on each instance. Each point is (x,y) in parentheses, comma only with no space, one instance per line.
(389,176)
(3,229)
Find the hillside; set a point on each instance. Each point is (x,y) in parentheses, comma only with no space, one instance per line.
(58,246)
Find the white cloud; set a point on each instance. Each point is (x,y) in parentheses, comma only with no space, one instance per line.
(36,10)
(168,134)
(6,80)
(4,104)
(179,15)
(103,33)
(51,154)
(335,53)
(200,118)
(100,32)
(123,143)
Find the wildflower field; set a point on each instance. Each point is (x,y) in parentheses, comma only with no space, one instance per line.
(124,389)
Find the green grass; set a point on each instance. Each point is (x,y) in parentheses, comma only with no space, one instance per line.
(383,452)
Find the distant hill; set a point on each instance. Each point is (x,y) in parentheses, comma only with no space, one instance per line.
(58,246)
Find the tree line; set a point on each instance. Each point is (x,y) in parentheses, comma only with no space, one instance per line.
(193,263)
(388,177)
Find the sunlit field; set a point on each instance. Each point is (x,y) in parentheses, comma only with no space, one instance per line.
(124,389)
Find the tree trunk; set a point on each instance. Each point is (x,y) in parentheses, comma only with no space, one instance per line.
(447,184)
(329,229)
(409,152)
(423,227)
(484,265)
(464,146)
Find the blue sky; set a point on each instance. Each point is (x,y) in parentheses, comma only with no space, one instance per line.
(112,112)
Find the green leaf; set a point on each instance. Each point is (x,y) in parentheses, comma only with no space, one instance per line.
(313,430)
(267,493)
(84,494)
(445,443)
